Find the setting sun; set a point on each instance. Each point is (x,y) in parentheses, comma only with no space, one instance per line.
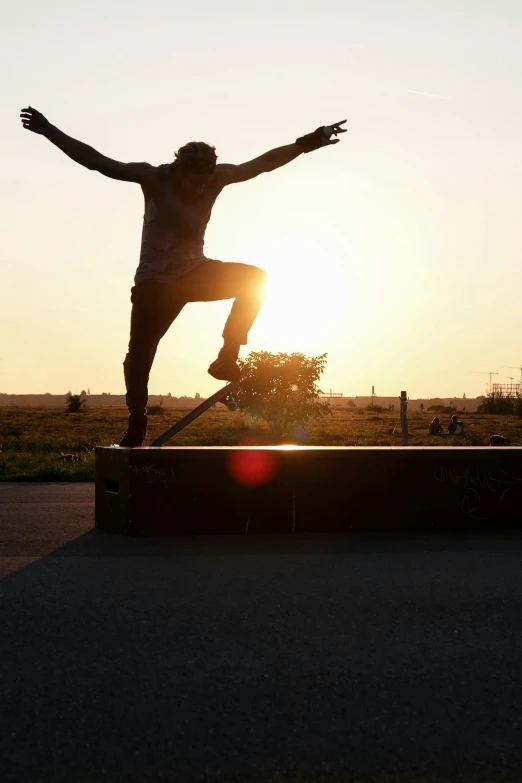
(313,296)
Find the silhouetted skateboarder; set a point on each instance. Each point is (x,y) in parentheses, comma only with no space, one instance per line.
(173,269)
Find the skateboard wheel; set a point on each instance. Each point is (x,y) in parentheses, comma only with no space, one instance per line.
(231,402)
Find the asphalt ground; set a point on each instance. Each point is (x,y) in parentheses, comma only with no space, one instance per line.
(382,657)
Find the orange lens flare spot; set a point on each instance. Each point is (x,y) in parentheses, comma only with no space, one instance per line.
(252,468)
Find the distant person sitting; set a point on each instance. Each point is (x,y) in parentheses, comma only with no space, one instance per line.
(436,427)
(456,427)
(497,440)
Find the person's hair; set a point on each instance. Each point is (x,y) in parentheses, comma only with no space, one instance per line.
(196,156)
(454,417)
(435,420)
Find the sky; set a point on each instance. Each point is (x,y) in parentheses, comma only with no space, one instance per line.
(397,252)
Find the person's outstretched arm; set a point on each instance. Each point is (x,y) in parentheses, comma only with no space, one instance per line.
(280,156)
(81,153)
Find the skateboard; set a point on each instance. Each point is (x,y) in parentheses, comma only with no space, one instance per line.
(226,395)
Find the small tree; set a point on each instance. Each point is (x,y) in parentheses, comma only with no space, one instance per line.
(282,389)
(75,403)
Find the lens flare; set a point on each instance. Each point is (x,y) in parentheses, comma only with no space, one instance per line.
(252,468)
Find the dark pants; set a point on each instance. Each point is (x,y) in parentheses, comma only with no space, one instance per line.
(155,306)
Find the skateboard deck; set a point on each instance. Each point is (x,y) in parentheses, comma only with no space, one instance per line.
(225,395)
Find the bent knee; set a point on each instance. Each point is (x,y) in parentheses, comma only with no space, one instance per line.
(259,277)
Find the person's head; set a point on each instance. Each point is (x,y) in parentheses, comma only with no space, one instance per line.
(193,168)
(454,419)
(436,420)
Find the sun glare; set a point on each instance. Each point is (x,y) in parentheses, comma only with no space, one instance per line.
(313,296)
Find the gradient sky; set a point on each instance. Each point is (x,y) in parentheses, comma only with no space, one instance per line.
(397,252)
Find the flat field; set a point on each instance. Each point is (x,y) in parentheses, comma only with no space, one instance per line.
(33,440)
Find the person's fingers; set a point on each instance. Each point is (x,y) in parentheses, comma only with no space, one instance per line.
(333,141)
(31,114)
(334,129)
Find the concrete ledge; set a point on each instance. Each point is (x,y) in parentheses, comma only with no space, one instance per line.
(223,490)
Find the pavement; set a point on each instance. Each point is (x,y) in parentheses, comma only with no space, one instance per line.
(382,657)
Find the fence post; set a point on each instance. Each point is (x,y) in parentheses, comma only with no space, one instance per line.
(404,421)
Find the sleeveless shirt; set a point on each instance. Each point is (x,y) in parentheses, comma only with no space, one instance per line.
(172,243)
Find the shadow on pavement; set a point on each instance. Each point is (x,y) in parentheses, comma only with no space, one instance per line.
(263,659)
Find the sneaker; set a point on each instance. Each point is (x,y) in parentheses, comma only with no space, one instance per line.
(224,370)
(135,434)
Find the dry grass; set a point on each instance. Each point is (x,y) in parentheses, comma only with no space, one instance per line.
(33,439)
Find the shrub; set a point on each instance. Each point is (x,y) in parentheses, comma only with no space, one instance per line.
(155,410)
(282,390)
(498,404)
(75,403)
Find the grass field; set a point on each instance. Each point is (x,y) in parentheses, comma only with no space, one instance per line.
(32,440)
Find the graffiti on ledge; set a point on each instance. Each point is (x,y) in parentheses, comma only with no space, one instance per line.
(477,486)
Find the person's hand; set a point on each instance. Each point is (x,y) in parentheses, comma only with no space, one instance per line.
(321,137)
(333,130)
(34,121)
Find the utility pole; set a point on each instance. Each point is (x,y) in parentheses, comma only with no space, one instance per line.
(404,420)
